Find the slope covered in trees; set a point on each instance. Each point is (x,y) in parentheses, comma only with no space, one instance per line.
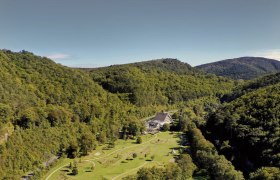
(250,86)
(242,68)
(47,108)
(52,109)
(159,82)
(247,129)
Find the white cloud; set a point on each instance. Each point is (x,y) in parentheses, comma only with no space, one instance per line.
(272,54)
(58,56)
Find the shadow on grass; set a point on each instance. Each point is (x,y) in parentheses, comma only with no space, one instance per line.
(64,170)
(175,148)
(71,174)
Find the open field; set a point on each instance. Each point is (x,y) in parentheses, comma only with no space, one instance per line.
(118,162)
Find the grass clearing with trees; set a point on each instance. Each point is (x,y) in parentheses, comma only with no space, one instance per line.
(126,158)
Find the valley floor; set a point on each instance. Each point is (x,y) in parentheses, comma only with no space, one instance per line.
(118,162)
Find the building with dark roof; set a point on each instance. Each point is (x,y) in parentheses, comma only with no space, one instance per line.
(159,120)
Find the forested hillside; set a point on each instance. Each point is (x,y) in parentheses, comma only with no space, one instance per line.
(242,68)
(52,109)
(252,86)
(247,129)
(48,108)
(160,82)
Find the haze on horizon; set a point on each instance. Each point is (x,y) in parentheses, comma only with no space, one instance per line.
(91,33)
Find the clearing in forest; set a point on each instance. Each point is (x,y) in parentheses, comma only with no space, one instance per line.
(122,160)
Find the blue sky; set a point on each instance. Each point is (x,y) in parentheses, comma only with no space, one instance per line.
(90,33)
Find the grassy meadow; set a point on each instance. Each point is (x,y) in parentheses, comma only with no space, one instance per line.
(122,160)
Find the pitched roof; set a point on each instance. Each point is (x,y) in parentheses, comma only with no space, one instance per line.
(161,116)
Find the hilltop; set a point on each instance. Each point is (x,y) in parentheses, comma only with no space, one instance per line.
(164,64)
(242,68)
(159,82)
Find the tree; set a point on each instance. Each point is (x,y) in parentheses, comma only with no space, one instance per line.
(139,140)
(187,166)
(266,173)
(183,123)
(133,128)
(75,170)
(144,174)
(166,127)
(5,113)
(173,171)
(151,173)
(87,143)
(73,149)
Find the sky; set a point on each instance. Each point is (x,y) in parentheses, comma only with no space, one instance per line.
(93,33)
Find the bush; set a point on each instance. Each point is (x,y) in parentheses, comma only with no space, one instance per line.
(166,127)
(139,140)
(75,171)
(111,144)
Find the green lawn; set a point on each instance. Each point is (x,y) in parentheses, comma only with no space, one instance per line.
(118,162)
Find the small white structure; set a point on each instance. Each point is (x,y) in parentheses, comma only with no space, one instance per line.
(159,120)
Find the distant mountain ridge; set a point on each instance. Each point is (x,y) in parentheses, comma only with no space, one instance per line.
(242,68)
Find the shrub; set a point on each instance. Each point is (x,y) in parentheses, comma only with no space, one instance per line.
(166,127)
(139,140)
(75,171)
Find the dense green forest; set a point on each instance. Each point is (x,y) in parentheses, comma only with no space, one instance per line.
(242,68)
(199,158)
(246,129)
(160,82)
(252,86)
(47,108)
(51,108)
